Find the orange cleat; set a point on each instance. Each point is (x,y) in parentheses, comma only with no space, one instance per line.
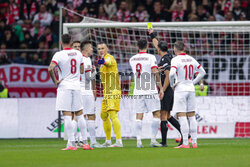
(195,145)
(183,146)
(86,147)
(70,148)
(178,140)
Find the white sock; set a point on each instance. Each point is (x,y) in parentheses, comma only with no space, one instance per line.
(74,123)
(68,125)
(184,129)
(138,129)
(108,141)
(193,129)
(82,127)
(91,127)
(155,128)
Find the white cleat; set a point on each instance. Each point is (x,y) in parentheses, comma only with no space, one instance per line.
(117,145)
(106,144)
(139,145)
(96,145)
(155,144)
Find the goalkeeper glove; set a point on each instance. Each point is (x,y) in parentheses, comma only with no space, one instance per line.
(101,61)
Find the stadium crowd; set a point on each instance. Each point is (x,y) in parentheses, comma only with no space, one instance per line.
(33,25)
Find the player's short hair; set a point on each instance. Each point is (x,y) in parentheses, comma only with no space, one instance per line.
(142,44)
(179,45)
(66,38)
(76,42)
(100,43)
(85,43)
(163,46)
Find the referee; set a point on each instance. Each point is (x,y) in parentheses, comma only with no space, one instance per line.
(167,101)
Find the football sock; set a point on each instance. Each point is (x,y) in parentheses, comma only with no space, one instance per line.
(138,129)
(82,127)
(69,130)
(175,123)
(106,125)
(74,123)
(164,130)
(91,127)
(184,129)
(116,124)
(193,128)
(155,127)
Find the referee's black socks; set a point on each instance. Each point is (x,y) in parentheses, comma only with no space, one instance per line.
(164,130)
(175,123)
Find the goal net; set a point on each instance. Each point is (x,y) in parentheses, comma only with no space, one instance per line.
(222,48)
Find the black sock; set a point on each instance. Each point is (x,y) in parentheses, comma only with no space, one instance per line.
(189,136)
(176,124)
(164,130)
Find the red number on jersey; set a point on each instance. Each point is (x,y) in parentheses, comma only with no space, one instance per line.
(189,71)
(138,70)
(73,66)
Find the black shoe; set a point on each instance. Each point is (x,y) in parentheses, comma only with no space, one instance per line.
(163,145)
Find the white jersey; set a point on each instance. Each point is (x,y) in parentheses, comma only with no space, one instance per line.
(86,84)
(68,62)
(142,65)
(185,66)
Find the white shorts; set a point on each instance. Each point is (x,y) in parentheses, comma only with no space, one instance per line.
(88,104)
(184,102)
(147,103)
(68,100)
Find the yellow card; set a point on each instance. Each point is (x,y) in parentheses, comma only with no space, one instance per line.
(150,25)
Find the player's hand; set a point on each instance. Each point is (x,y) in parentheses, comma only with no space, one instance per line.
(161,94)
(93,69)
(160,68)
(58,82)
(150,31)
(174,86)
(101,61)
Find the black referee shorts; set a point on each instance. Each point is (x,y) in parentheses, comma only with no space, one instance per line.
(167,101)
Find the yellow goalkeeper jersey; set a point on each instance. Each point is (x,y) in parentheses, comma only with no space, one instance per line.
(110,76)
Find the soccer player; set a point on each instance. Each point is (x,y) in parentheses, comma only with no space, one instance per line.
(111,95)
(146,98)
(167,101)
(89,91)
(68,99)
(182,69)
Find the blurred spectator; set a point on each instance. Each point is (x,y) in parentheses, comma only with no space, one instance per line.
(43,16)
(5,14)
(92,6)
(34,59)
(2,27)
(148,6)
(37,30)
(4,58)
(223,5)
(49,38)
(229,16)
(123,13)
(19,32)
(158,14)
(202,14)
(187,5)
(9,38)
(179,13)
(21,59)
(141,13)
(28,10)
(211,18)
(237,10)
(55,23)
(51,5)
(109,7)
(13,9)
(134,19)
(102,14)
(29,40)
(218,13)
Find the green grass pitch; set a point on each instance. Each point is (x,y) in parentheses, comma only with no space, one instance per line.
(47,153)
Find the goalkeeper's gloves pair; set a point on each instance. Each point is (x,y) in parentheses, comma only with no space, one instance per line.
(101,61)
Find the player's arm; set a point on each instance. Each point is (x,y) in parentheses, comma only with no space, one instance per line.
(90,74)
(166,81)
(51,73)
(172,73)
(201,74)
(153,37)
(94,88)
(82,68)
(158,81)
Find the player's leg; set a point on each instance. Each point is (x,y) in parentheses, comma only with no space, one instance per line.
(164,127)
(138,129)
(192,119)
(154,105)
(180,107)
(63,103)
(106,124)
(116,127)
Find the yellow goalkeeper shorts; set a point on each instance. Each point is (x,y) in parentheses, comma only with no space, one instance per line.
(111,102)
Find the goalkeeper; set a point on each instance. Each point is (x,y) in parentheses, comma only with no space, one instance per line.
(111,95)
